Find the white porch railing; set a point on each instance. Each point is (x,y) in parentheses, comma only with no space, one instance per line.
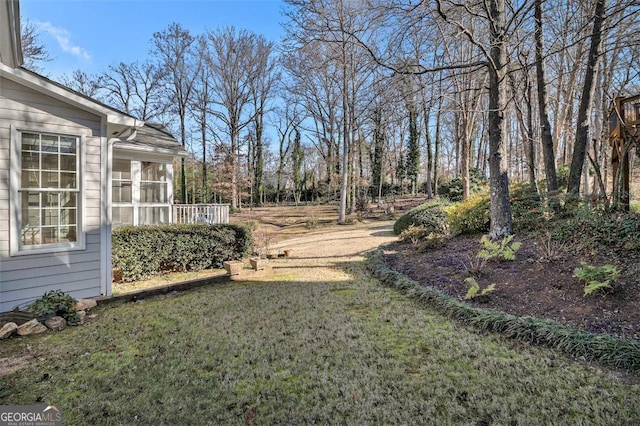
(201,213)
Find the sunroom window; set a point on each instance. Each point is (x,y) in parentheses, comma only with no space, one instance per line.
(48,190)
(140,192)
(122,192)
(154,207)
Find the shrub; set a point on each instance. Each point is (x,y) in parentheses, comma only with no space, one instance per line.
(602,229)
(470,216)
(562,174)
(452,190)
(430,216)
(55,302)
(142,251)
(529,210)
(414,234)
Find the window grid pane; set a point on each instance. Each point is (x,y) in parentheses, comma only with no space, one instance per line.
(49,192)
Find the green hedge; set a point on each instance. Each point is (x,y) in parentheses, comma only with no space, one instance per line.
(430,216)
(142,251)
(470,216)
(608,350)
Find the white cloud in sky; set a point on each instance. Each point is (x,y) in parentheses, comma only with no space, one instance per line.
(63,37)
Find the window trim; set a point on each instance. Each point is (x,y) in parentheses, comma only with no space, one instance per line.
(136,177)
(15,200)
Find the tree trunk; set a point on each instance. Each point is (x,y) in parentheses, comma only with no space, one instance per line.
(501,225)
(584,116)
(548,153)
(344,184)
(436,149)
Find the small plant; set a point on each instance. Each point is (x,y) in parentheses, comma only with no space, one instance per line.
(262,242)
(55,302)
(548,249)
(595,277)
(432,242)
(312,222)
(474,289)
(475,265)
(505,249)
(414,234)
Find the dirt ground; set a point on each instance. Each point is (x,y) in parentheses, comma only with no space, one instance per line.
(531,285)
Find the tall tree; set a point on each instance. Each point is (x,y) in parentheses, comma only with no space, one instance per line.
(584,111)
(493,14)
(297,162)
(174,48)
(262,86)
(200,106)
(548,153)
(136,88)
(234,58)
(412,166)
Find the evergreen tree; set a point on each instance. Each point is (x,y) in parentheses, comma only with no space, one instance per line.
(412,167)
(297,159)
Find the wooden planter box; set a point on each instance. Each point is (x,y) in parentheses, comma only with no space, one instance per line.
(233,267)
(258,263)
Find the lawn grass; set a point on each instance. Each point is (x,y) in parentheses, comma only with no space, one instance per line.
(292,351)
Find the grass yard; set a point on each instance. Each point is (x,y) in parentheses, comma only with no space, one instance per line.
(293,350)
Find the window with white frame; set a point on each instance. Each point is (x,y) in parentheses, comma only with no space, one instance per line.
(122,192)
(154,200)
(140,192)
(48,190)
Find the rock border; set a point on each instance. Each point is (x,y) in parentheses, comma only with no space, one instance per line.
(55,323)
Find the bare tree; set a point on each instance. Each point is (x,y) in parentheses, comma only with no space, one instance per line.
(582,131)
(200,105)
(234,57)
(81,82)
(313,84)
(332,23)
(262,87)
(548,152)
(34,51)
(136,88)
(174,49)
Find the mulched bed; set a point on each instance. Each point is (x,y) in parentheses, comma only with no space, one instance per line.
(531,285)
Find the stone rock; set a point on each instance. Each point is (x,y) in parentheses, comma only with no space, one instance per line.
(258,263)
(56,323)
(31,327)
(233,267)
(84,304)
(81,317)
(8,329)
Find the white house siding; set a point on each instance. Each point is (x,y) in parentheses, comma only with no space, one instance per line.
(24,278)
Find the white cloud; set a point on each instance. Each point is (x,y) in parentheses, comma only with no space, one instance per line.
(63,37)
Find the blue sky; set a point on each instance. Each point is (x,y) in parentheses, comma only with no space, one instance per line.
(93,34)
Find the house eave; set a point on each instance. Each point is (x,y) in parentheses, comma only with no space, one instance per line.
(10,41)
(135,148)
(43,85)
